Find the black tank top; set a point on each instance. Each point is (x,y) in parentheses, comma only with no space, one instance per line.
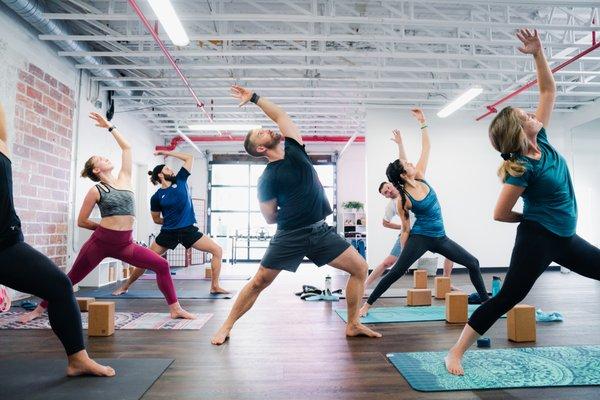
(10,225)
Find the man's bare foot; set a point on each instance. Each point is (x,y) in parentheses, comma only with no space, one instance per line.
(364,310)
(361,330)
(30,316)
(453,363)
(120,291)
(221,336)
(180,313)
(218,290)
(87,366)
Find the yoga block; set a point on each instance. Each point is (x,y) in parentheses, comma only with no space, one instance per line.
(101,319)
(441,286)
(84,303)
(420,279)
(520,323)
(457,304)
(484,342)
(418,297)
(208,272)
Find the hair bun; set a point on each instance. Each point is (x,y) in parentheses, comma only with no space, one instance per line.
(149,173)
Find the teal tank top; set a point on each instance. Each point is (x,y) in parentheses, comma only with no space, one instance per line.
(428,214)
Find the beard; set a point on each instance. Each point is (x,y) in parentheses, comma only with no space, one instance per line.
(274,142)
(170,178)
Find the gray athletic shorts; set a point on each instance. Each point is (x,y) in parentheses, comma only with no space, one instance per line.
(319,242)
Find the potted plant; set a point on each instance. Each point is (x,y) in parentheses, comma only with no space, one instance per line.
(353,205)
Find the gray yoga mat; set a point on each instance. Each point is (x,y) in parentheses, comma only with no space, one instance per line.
(524,367)
(44,379)
(135,293)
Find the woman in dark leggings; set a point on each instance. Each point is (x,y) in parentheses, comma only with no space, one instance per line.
(427,233)
(534,170)
(35,273)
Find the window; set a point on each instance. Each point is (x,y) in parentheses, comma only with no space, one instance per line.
(234,204)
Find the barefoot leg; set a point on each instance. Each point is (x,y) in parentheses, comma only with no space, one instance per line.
(208,245)
(30,316)
(81,364)
(177,312)
(245,301)
(453,359)
(351,262)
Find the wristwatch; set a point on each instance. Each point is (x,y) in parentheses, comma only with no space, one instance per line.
(110,128)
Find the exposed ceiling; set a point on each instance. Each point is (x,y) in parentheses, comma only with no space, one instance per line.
(324,61)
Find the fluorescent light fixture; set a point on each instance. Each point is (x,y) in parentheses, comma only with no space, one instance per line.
(566,52)
(460,102)
(164,11)
(228,127)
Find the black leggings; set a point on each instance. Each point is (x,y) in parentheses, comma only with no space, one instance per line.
(416,246)
(27,270)
(535,248)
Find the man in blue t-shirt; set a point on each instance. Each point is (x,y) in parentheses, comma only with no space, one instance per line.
(290,194)
(172,207)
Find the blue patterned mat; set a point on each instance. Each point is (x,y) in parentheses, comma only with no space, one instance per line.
(502,369)
(383,315)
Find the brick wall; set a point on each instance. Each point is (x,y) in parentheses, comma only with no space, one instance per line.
(41,155)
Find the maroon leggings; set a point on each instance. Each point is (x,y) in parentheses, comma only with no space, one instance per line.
(119,245)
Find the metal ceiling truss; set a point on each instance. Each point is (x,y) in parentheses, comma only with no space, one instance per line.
(325,61)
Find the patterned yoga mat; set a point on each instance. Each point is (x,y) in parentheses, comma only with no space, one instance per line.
(123,320)
(384,315)
(502,368)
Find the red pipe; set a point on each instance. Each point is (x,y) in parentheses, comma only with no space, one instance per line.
(492,107)
(165,51)
(207,139)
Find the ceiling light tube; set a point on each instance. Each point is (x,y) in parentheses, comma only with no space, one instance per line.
(226,127)
(460,101)
(164,11)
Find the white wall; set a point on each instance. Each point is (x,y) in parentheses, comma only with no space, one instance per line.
(586,179)
(91,140)
(351,178)
(462,170)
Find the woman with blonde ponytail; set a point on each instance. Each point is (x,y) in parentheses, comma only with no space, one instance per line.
(534,170)
(427,233)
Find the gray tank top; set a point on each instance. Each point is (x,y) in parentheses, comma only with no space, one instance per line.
(115,201)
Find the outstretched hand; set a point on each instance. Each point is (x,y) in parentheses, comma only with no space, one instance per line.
(396,136)
(418,114)
(241,93)
(531,41)
(100,120)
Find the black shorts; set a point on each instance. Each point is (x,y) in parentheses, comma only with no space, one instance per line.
(319,242)
(186,236)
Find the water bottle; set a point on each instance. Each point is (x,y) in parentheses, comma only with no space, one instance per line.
(496,283)
(328,285)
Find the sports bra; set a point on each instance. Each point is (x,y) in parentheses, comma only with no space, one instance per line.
(115,201)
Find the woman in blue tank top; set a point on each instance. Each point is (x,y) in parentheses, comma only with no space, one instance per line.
(534,170)
(427,233)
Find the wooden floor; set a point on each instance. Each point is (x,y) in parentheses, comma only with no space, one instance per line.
(286,348)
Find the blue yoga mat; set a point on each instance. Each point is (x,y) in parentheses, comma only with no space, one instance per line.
(383,315)
(106,293)
(502,369)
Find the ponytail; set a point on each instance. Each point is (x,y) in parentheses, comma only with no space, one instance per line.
(394,173)
(507,137)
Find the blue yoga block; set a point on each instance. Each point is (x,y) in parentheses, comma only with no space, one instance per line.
(484,342)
